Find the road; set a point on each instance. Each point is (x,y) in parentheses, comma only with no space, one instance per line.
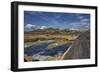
(80,49)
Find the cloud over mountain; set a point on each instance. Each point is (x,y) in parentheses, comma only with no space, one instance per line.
(43,27)
(31,27)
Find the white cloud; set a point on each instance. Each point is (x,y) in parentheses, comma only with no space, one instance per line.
(85,20)
(80,17)
(43,27)
(29,27)
(84,24)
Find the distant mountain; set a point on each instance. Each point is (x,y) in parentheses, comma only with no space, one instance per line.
(31,27)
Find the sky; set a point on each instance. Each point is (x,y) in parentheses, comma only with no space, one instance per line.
(56,20)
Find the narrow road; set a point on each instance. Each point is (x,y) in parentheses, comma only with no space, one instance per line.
(80,49)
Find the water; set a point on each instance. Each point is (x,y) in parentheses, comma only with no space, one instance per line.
(41,49)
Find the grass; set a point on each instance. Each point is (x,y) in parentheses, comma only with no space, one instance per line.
(36,38)
(57,43)
(58,39)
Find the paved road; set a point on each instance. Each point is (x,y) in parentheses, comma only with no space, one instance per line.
(80,48)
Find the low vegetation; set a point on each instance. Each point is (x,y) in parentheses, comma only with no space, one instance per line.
(51,34)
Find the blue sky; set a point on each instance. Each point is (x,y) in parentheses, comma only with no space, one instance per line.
(57,20)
